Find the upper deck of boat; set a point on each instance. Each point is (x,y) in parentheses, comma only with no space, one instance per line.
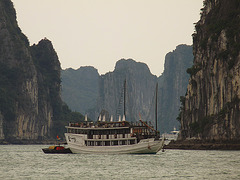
(112,130)
(106,125)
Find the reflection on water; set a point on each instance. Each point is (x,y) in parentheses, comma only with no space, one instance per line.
(29,162)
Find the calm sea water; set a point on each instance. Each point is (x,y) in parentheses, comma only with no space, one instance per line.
(29,162)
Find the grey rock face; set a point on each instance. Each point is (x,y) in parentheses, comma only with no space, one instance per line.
(211,106)
(80,88)
(30,77)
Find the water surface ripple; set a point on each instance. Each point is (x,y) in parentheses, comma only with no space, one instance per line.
(29,162)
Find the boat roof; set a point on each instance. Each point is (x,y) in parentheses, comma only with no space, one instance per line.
(96,128)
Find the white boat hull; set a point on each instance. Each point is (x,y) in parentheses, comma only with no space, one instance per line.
(148,146)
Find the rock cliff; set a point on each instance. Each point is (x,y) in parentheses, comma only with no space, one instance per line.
(140,87)
(30,103)
(172,85)
(210,109)
(80,88)
(140,90)
(87,92)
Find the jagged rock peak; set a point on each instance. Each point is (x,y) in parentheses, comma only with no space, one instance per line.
(182,47)
(13,43)
(180,52)
(130,64)
(83,70)
(8,19)
(45,43)
(45,54)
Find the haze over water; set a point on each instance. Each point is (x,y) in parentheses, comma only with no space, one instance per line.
(29,162)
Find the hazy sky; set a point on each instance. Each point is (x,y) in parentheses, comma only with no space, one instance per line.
(100,32)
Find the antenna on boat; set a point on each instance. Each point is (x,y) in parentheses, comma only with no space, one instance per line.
(85,117)
(156,106)
(124,103)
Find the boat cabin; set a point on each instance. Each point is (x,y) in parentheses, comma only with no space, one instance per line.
(111,133)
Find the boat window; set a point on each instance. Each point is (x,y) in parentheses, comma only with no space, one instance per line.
(107,143)
(121,131)
(99,143)
(115,143)
(89,143)
(90,136)
(132,141)
(81,131)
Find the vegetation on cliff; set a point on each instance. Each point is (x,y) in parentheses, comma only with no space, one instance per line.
(211,110)
(10,78)
(49,83)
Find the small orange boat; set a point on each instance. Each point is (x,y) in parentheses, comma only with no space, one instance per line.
(56,150)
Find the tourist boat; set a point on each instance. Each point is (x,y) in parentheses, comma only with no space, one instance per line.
(109,137)
(119,137)
(172,136)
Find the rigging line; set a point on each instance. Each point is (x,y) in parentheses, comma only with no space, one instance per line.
(147,125)
(151,109)
(130,104)
(156,107)
(119,109)
(124,105)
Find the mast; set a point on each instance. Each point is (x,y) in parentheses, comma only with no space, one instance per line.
(124,94)
(156,106)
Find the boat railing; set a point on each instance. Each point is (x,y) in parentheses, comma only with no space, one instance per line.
(109,124)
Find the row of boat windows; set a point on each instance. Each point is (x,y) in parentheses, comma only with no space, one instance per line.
(110,143)
(109,136)
(97,132)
